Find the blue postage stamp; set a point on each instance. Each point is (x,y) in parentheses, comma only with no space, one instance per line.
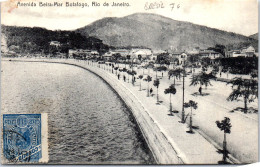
(22,137)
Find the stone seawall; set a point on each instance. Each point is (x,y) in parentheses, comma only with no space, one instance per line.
(163,150)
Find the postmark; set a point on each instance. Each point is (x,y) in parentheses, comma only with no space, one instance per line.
(22,140)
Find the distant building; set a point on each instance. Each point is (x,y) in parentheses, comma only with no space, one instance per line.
(234,53)
(55,43)
(210,54)
(182,58)
(82,53)
(108,56)
(178,57)
(144,53)
(122,52)
(248,51)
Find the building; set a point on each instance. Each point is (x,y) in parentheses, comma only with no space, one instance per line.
(178,58)
(108,56)
(248,51)
(142,52)
(55,43)
(234,53)
(210,54)
(82,53)
(122,52)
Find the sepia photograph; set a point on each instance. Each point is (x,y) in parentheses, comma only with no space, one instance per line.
(129,82)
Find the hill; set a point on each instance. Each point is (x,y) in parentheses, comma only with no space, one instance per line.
(158,32)
(36,40)
(254,36)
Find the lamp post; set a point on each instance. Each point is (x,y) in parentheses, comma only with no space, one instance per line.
(183,81)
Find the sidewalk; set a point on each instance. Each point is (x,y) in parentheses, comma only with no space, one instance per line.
(243,140)
(242,143)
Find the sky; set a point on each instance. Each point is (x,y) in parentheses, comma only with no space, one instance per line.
(239,16)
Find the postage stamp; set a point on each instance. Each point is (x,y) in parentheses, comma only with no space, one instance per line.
(22,137)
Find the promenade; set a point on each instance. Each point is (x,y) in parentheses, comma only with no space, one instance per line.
(200,147)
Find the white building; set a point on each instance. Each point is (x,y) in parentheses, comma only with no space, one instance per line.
(55,43)
(248,51)
(142,52)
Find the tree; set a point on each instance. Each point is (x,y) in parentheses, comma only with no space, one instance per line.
(194,105)
(140,77)
(140,58)
(243,88)
(171,90)
(148,79)
(215,70)
(218,48)
(161,68)
(129,73)
(116,68)
(116,56)
(202,79)
(205,62)
(112,68)
(175,73)
(133,73)
(224,125)
(128,57)
(254,74)
(163,58)
(156,83)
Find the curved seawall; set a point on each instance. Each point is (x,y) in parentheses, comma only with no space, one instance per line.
(163,150)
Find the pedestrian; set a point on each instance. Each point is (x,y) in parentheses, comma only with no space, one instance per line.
(162,74)
(124,78)
(220,74)
(200,90)
(134,79)
(151,91)
(118,76)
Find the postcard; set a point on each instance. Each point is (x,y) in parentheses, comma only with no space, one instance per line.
(129,82)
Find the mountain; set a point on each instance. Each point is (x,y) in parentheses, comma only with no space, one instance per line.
(254,36)
(36,40)
(158,32)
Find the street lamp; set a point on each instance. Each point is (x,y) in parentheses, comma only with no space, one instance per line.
(183,80)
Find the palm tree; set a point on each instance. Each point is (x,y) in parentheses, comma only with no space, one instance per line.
(128,57)
(116,68)
(243,88)
(175,73)
(171,90)
(132,73)
(112,68)
(194,105)
(161,68)
(202,79)
(140,58)
(156,83)
(148,79)
(155,69)
(140,77)
(224,125)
